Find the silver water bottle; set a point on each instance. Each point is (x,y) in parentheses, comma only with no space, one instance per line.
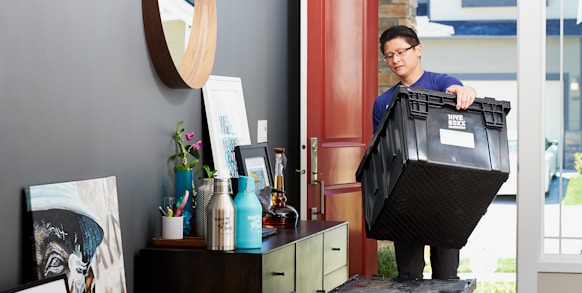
(221,216)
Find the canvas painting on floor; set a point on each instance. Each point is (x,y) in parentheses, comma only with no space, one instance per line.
(76,231)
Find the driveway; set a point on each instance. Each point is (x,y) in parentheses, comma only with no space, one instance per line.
(494,237)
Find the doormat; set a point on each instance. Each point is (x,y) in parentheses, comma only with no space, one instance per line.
(377,284)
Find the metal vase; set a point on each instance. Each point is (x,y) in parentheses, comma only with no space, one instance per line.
(204,194)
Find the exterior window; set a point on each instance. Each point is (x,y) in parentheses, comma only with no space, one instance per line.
(563,142)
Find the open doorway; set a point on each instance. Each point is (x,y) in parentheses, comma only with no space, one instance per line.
(454,44)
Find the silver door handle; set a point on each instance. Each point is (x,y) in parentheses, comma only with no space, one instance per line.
(315,180)
(321,198)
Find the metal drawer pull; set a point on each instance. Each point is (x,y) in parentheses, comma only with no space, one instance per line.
(278,273)
(336,249)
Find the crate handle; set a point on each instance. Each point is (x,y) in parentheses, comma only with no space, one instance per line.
(419,102)
(493,111)
(493,114)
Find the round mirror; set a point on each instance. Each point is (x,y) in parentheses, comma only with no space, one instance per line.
(181,38)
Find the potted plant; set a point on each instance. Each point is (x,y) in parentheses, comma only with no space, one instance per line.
(185,160)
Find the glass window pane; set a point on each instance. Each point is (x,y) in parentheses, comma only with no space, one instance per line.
(572,246)
(551,246)
(563,138)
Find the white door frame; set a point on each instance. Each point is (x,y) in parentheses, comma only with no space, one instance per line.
(303,110)
(530,86)
(531,45)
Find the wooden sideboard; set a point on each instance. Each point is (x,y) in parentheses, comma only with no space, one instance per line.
(310,258)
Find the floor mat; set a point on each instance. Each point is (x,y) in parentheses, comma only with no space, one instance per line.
(378,284)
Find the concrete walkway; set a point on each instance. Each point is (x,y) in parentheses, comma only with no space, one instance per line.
(495,236)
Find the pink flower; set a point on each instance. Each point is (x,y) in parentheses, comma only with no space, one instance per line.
(198,145)
(181,158)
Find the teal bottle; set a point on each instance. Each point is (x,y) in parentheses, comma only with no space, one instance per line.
(248,215)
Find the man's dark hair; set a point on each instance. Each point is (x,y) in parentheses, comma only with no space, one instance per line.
(398,31)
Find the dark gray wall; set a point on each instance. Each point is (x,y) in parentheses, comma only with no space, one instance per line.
(80,99)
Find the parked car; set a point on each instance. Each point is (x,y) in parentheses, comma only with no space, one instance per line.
(550,166)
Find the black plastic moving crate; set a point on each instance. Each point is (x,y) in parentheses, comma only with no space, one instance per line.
(430,171)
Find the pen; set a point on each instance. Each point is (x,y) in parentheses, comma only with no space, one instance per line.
(162,211)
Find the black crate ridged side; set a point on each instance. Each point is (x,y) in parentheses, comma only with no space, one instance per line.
(436,205)
(430,171)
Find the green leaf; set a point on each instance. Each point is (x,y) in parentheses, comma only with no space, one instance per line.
(192,163)
(180,168)
(206,168)
(179,126)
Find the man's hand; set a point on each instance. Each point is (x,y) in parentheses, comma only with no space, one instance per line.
(465,95)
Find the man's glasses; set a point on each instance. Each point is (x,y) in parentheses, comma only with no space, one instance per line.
(390,56)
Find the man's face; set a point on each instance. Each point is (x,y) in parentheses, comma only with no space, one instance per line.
(402,57)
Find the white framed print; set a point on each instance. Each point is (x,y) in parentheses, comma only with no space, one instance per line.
(227,121)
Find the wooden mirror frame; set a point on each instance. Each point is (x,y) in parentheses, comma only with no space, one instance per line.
(198,59)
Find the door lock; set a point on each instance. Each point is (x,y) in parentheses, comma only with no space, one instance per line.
(315,180)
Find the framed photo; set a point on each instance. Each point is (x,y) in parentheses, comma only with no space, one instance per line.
(253,161)
(227,121)
(54,284)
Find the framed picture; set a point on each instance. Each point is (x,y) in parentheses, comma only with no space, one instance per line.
(253,161)
(227,121)
(54,284)
(76,231)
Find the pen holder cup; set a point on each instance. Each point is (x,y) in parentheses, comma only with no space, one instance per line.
(172,227)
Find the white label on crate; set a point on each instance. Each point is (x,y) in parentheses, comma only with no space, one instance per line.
(457,138)
(457,121)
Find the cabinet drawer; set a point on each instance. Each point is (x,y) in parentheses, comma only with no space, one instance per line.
(309,264)
(279,270)
(335,278)
(335,249)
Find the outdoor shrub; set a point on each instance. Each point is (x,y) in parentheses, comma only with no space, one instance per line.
(495,287)
(464,266)
(578,162)
(505,265)
(387,262)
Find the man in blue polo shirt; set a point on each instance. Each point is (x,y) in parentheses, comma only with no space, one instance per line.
(402,52)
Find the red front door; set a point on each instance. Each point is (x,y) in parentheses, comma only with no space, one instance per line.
(342,70)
